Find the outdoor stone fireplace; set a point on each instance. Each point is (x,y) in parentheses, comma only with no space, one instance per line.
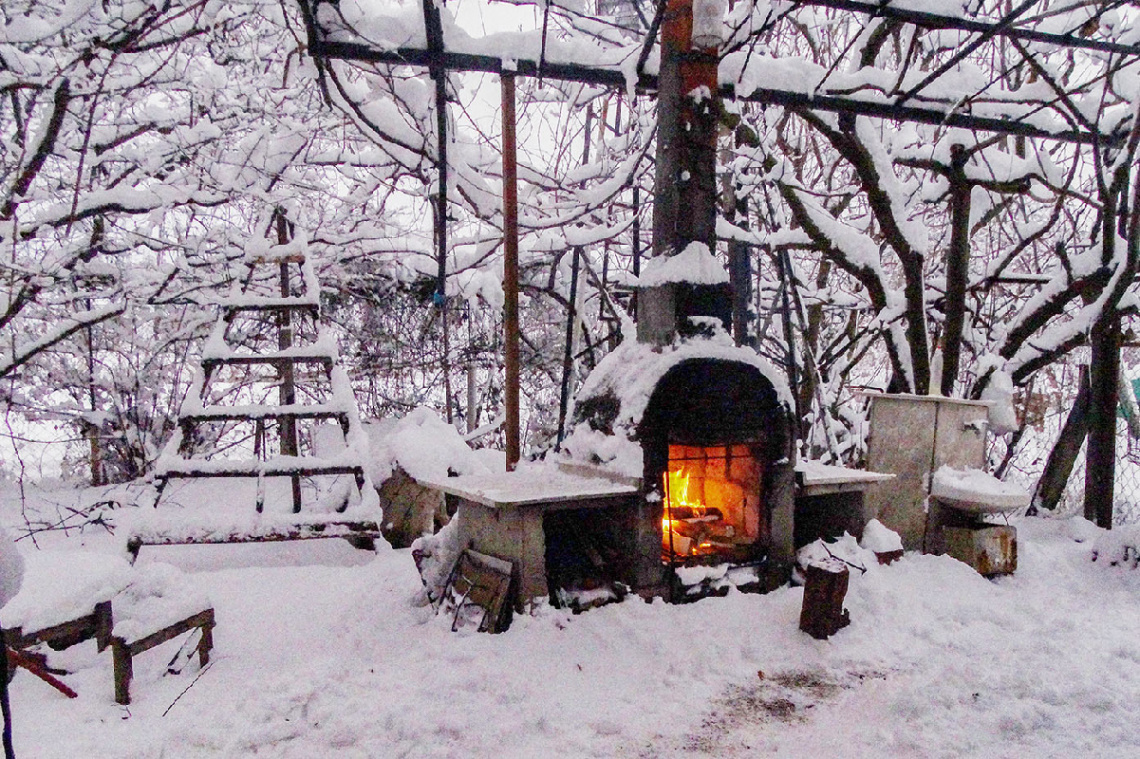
(677,476)
(677,480)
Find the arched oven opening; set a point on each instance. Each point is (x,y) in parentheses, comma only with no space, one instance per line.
(716,441)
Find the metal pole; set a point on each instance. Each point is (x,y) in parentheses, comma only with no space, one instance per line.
(5,705)
(572,310)
(433,27)
(568,355)
(511,270)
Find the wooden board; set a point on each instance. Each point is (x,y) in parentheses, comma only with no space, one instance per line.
(477,592)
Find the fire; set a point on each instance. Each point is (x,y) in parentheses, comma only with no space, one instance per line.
(712,501)
(678,484)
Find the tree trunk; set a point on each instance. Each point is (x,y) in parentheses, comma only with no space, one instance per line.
(1100,460)
(1059,466)
(957,269)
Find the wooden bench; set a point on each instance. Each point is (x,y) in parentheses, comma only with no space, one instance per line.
(98,625)
(124,650)
(360,534)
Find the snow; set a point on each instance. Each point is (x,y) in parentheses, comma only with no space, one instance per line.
(835,554)
(999,392)
(536,483)
(975,490)
(424,446)
(708,23)
(630,373)
(159,595)
(879,538)
(11,568)
(816,473)
(695,265)
(60,586)
(1119,547)
(324,653)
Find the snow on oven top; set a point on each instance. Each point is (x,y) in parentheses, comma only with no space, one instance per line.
(626,378)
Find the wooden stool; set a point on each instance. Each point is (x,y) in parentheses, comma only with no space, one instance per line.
(124,650)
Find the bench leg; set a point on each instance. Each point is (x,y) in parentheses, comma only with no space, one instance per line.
(104,623)
(134,545)
(124,670)
(206,642)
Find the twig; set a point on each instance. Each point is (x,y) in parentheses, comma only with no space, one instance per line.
(188,687)
(184,654)
(845,561)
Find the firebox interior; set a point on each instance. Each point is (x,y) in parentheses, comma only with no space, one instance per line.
(715,441)
(713,497)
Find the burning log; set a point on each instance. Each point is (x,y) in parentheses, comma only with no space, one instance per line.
(825,586)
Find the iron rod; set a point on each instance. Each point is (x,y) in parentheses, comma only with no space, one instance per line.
(511,270)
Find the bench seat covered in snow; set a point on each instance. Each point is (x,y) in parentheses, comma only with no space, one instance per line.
(160,604)
(65,599)
(69,596)
(182,528)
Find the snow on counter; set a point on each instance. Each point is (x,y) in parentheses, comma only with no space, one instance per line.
(819,477)
(60,586)
(540,483)
(978,491)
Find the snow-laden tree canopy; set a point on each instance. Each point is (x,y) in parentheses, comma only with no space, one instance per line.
(911,185)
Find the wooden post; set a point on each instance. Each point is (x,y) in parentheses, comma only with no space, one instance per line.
(825,587)
(511,269)
(684,207)
(288,390)
(124,670)
(472,398)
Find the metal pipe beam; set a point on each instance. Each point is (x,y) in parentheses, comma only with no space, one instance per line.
(573,72)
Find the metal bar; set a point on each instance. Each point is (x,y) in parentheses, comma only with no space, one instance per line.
(511,270)
(795,100)
(572,310)
(965,50)
(568,355)
(433,28)
(938,21)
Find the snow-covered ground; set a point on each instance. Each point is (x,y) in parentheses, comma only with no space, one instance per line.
(319,651)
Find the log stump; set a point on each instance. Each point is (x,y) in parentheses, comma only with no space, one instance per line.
(825,587)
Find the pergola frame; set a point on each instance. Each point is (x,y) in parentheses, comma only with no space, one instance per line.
(1105,339)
